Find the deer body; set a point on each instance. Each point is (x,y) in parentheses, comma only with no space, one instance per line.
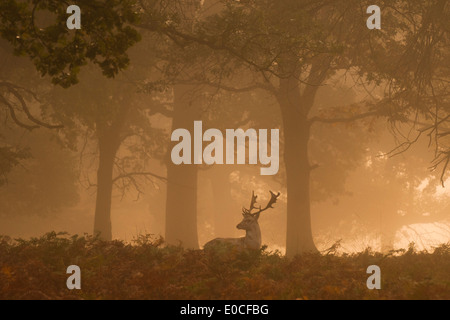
(249,223)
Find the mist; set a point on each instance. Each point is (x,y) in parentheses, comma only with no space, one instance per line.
(182,122)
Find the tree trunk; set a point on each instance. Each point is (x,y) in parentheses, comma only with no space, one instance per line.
(296,134)
(108,146)
(181,200)
(226,215)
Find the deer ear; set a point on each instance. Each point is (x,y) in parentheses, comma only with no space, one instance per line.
(257,215)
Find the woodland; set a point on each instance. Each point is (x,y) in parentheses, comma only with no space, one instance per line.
(86,136)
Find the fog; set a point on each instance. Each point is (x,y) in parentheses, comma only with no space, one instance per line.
(222,149)
(286,128)
(361,195)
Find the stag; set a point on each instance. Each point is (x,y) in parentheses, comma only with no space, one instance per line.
(249,223)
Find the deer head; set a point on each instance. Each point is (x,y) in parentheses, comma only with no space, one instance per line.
(251,218)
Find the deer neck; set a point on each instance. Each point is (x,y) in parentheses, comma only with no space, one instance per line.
(253,237)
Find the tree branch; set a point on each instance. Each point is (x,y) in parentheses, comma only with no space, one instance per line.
(16,120)
(13,89)
(214,44)
(344,119)
(225,87)
(133,174)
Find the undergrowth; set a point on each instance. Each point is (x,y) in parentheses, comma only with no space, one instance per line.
(149,269)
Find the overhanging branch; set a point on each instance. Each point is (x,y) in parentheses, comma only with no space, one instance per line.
(225,87)
(344,119)
(182,39)
(134,174)
(13,89)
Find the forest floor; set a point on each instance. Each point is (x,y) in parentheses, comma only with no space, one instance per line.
(147,269)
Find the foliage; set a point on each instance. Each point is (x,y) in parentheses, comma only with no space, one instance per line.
(147,269)
(37,29)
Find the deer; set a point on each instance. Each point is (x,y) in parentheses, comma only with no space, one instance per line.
(249,223)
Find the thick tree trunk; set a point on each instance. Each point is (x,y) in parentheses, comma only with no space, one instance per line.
(296,134)
(181,200)
(226,215)
(181,205)
(299,232)
(108,146)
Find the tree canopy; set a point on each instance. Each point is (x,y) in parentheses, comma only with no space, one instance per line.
(38,30)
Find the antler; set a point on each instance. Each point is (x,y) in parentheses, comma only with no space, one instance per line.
(273,200)
(252,204)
